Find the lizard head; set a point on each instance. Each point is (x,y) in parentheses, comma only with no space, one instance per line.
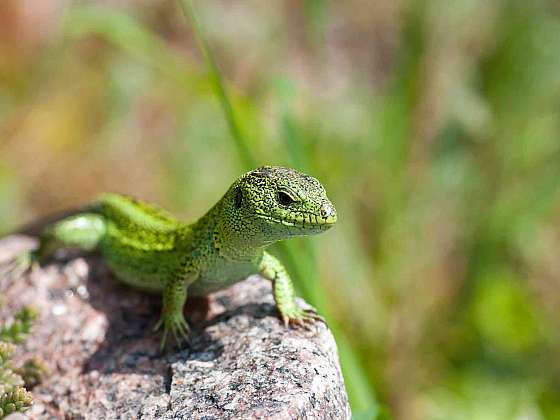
(280,203)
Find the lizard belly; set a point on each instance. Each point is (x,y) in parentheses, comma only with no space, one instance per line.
(136,279)
(221,274)
(146,270)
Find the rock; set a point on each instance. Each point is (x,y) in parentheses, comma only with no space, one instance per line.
(95,337)
(15,416)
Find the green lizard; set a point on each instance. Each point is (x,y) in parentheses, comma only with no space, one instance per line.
(149,249)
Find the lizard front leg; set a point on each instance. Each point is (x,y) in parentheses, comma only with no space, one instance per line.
(172,318)
(284,293)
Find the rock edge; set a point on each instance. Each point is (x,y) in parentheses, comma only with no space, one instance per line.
(94,335)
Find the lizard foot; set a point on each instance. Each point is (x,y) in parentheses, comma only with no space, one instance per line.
(18,266)
(300,317)
(176,324)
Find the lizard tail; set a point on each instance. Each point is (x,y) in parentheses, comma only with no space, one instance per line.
(36,227)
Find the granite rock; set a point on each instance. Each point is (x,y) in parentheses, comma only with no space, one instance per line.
(95,336)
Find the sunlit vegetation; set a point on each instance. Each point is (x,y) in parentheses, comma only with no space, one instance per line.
(434,125)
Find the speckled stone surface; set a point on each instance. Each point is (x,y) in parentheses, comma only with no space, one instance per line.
(95,337)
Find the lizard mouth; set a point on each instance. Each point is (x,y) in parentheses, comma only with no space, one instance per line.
(311,221)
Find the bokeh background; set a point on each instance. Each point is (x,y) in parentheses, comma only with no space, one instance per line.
(434,125)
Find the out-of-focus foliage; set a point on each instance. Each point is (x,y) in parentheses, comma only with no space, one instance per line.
(434,125)
(14,397)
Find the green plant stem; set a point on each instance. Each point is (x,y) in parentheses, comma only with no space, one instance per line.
(361,394)
(243,148)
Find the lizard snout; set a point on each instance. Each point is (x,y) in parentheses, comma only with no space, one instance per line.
(328,213)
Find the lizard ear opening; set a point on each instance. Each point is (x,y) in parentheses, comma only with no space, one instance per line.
(238,200)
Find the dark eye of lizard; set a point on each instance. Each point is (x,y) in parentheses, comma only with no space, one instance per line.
(238,198)
(285,199)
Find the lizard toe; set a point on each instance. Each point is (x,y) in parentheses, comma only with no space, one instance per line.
(158,325)
(18,266)
(301,318)
(312,315)
(174,324)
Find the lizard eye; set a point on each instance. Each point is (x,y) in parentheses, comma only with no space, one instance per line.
(285,199)
(238,200)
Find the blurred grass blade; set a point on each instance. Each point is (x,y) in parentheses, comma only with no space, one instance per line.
(304,269)
(243,148)
(130,36)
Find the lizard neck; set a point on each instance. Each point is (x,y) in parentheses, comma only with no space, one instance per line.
(232,238)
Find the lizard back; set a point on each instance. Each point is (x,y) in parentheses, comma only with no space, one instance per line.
(140,241)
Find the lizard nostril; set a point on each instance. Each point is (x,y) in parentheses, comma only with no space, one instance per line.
(326,210)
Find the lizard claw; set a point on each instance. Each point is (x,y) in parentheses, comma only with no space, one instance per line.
(299,317)
(174,323)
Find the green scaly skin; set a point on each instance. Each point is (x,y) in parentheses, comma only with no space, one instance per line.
(149,249)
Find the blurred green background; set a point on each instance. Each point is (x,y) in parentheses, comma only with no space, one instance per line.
(434,125)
